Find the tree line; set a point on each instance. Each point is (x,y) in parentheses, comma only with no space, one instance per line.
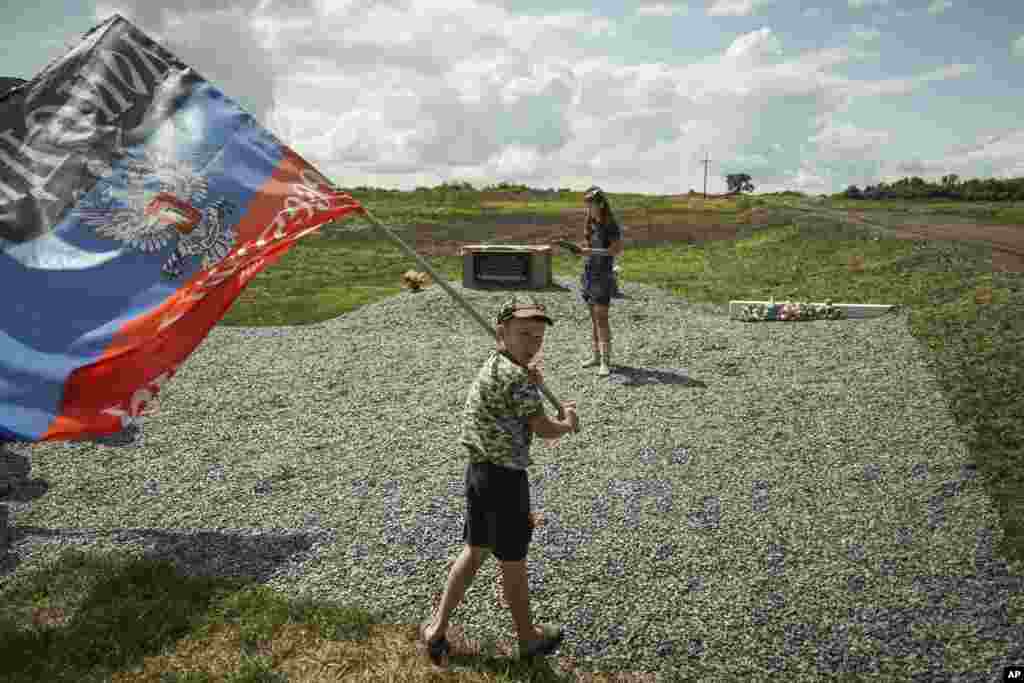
(463,187)
(737,182)
(949,187)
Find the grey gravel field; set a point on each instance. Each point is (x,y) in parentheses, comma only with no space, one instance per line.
(742,498)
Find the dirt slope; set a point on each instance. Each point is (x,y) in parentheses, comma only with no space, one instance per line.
(1007,241)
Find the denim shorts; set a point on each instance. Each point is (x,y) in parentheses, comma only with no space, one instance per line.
(596,285)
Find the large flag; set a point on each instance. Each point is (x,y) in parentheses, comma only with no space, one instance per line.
(8,82)
(136,202)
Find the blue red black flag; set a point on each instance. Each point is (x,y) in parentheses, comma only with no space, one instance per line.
(136,202)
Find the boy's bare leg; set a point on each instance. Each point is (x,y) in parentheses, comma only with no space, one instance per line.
(459,580)
(517,591)
(593,326)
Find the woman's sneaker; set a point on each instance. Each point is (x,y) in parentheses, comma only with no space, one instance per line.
(596,360)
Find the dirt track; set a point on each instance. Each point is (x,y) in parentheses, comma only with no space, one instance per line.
(1007,241)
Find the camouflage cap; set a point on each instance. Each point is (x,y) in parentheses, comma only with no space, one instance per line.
(523,306)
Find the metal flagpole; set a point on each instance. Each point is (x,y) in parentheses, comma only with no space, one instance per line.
(455,295)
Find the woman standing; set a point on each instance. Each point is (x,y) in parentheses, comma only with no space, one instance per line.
(600,231)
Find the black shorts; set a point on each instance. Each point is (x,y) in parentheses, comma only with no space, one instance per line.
(498,510)
(596,284)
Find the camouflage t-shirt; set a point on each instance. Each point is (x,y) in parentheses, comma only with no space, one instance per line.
(494,421)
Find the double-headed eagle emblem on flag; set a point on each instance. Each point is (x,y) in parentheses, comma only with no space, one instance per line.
(163,200)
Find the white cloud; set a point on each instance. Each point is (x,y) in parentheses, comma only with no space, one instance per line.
(413,92)
(568,22)
(995,155)
(813,12)
(515,161)
(736,8)
(1018,46)
(903,86)
(861,4)
(939,6)
(663,10)
(755,45)
(845,141)
(807,180)
(984,141)
(946,73)
(864,33)
(218,61)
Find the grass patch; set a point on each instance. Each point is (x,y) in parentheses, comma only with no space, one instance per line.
(321,279)
(1009,216)
(98,618)
(1007,213)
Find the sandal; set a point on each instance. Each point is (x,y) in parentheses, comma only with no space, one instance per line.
(436,650)
(545,645)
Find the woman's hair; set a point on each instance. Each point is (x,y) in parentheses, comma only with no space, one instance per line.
(605,213)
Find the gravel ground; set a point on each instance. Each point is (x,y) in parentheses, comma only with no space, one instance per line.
(741,498)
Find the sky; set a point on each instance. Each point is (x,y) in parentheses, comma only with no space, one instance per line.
(807,95)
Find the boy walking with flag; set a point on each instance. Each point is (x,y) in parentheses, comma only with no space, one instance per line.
(502,413)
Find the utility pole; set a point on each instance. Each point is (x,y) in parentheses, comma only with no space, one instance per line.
(705,162)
